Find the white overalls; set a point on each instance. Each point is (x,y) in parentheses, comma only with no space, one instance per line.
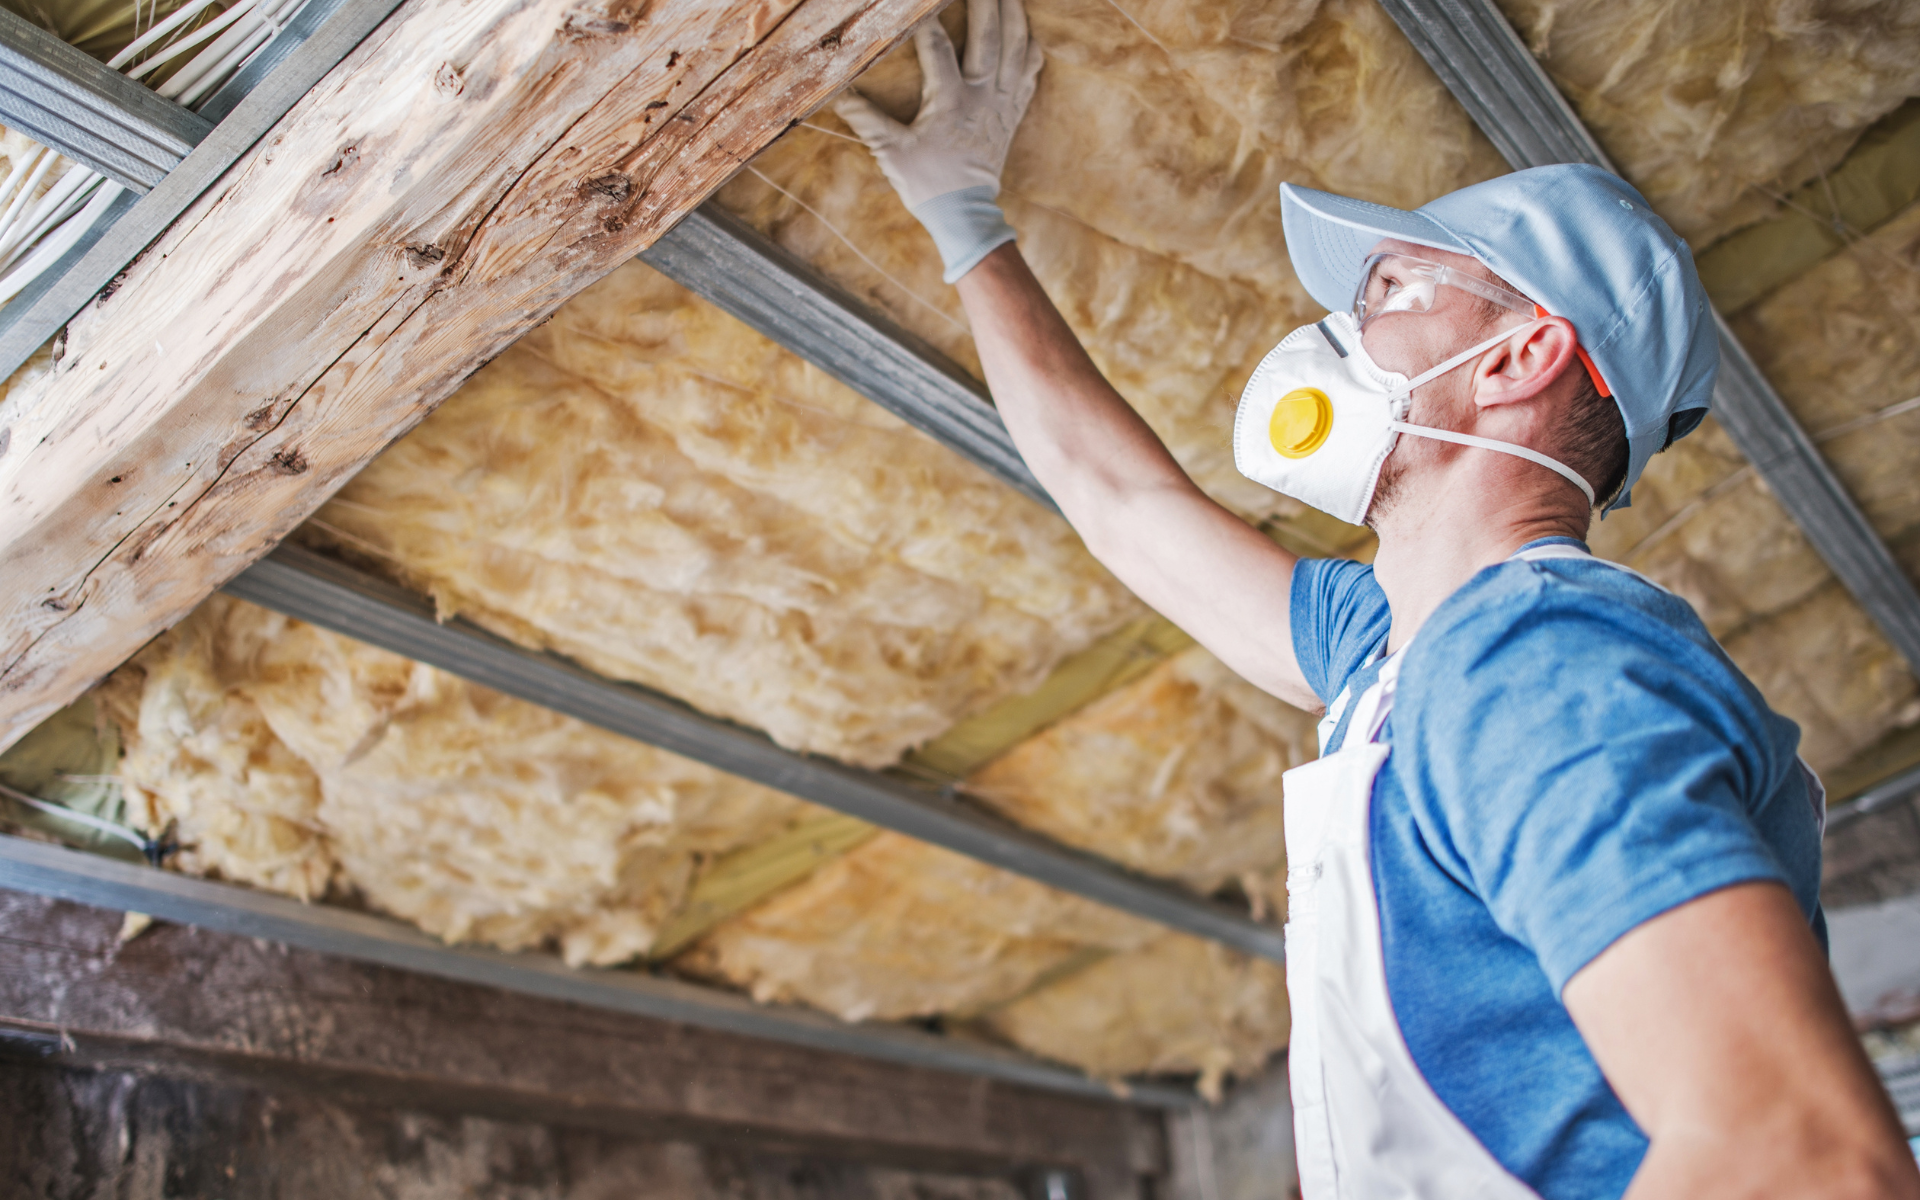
(1367,1125)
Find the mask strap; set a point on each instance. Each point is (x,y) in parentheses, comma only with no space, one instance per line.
(1468,439)
(1463,356)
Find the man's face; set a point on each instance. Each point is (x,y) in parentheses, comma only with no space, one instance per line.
(1410,343)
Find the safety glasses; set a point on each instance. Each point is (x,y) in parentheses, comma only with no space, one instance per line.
(1394,283)
(1402,283)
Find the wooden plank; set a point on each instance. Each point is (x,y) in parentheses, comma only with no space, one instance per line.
(195,1002)
(67,874)
(463,172)
(76,1129)
(245,107)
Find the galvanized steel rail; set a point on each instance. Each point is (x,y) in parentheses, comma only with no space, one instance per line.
(63,98)
(334,596)
(722,259)
(91,879)
(227,125)
(1489,70)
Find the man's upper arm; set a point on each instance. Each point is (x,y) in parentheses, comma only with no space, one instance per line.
(1212,574)
(1579,779)
(1719,1027)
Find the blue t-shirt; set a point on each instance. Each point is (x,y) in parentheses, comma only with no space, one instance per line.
(1573,754)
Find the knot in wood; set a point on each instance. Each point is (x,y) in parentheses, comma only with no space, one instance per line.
(612,185)
(831,41)
(348,156)
(424,254)
(289,462)
(583,25)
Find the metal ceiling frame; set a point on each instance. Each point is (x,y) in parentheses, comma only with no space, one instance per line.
(332,595)
(723,260)
(40,74)
(1486,66)
(62,97)
(1901,786)
(91,879)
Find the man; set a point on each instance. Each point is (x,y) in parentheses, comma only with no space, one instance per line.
(1554,924)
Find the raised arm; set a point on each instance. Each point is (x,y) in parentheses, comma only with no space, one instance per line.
(1196,563)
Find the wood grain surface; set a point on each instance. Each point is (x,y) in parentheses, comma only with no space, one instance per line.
(468,168)
(191,1003)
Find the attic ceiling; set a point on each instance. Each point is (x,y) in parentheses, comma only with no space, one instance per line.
(648,487)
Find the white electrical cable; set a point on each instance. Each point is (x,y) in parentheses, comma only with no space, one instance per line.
(79,200)
(51,248)
(179,17)
(140,841)
(174,49)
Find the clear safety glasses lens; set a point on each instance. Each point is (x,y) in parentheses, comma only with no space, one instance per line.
(1393,283)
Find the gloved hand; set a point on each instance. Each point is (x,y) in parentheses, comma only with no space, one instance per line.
(946,165)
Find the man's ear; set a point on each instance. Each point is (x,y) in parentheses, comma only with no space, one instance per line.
(1526,364)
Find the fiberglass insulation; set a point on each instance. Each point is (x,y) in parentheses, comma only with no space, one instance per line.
(647,486)
(1715,108)
(293,758)
(1179,1005)
(1175,774)
(1144,185)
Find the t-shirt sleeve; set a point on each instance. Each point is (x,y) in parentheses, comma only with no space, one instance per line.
(1587,774)
(1339,615)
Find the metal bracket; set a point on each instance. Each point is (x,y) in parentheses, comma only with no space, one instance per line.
(722,259)
(84,878)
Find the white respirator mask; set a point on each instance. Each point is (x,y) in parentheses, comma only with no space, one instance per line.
(1319,417)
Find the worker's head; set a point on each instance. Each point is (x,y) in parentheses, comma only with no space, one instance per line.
(1587,337)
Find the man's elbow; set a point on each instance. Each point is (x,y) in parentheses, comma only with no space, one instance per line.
(1869,1173)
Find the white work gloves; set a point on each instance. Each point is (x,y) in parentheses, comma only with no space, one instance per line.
(946,165)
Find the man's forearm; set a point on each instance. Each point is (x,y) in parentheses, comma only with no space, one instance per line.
(1084,442)
(1204,568)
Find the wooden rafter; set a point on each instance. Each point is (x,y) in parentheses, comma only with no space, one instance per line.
(464,172)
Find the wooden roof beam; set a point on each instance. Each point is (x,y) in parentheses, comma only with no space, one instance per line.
(467,169)
(75,875)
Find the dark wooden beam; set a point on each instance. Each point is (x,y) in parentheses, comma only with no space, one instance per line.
(197,1004)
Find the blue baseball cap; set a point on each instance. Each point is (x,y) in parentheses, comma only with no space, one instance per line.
(1575,239)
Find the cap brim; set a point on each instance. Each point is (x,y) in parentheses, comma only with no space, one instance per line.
(1329,236)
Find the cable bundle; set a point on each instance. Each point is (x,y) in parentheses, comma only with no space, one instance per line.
(36,230)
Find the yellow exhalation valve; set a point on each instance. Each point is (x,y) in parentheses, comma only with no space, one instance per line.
(1301,422)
